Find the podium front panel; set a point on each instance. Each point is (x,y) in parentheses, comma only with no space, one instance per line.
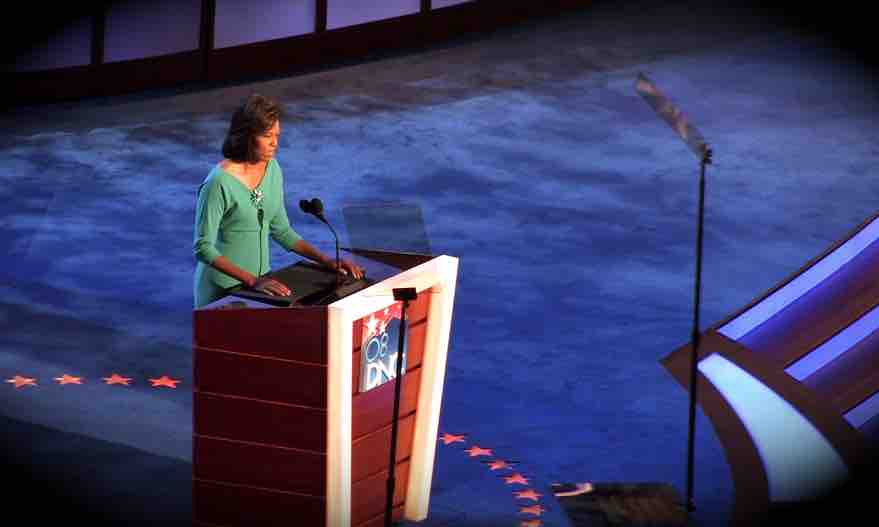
(256,465)
(368,496)
(261,378)
(370,453)
(284,333)
(266,423)
(221,504)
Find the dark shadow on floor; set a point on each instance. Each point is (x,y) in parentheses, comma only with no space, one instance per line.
(58,478)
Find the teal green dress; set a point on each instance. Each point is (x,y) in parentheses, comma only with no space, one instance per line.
(227,223)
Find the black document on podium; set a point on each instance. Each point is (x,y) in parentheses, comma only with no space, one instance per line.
(311,284)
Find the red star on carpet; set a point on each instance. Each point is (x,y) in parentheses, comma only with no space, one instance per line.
(516,478)
(529,494)
(448,439)
(475,451)
(536,510)
(499,464)
(531,523)
(68,379)
(20,381)
(164,380)
(117,379)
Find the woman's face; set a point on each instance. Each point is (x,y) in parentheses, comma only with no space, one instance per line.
(267,142)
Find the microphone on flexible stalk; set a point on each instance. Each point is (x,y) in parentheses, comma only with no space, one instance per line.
(315,207)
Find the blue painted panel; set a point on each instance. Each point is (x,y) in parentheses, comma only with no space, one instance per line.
(835,347)
(864,412)
(780,299)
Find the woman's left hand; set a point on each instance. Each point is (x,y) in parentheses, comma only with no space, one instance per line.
(347,267)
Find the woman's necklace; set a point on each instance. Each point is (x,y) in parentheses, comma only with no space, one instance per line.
(255,193)
(256,197)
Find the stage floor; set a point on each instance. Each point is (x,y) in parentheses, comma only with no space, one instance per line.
(569,203)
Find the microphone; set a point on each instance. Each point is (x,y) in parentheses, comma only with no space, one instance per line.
(315,207)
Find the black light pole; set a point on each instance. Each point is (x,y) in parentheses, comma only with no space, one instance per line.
(694,140)
(694,355)
(406,295)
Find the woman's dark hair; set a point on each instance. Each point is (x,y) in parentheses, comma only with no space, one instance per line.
(254,117)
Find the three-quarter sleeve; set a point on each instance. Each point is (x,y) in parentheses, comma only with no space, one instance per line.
(280,229)
(208,214)
(279,225)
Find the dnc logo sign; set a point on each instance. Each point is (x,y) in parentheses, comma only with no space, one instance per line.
(378,356)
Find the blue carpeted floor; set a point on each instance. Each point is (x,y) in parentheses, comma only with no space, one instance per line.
(569,203)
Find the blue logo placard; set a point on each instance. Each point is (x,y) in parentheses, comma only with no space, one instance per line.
(378,357)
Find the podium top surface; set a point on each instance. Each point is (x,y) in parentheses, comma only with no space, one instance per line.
(314,285)
(311,284)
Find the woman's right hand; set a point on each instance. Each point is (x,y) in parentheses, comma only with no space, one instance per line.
(271,286)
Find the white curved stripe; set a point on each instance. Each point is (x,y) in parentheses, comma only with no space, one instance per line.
(802,284)
(800,463)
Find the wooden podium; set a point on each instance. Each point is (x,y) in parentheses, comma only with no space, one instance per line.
(282,435)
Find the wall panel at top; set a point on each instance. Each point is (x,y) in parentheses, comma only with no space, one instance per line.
(136,29)
(70,46)
(342,13)
(437,4)
(238,23)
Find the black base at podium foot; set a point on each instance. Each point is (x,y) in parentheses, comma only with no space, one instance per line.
(621,504)
(659,505)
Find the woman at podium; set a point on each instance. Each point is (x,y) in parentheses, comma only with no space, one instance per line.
(240,204)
